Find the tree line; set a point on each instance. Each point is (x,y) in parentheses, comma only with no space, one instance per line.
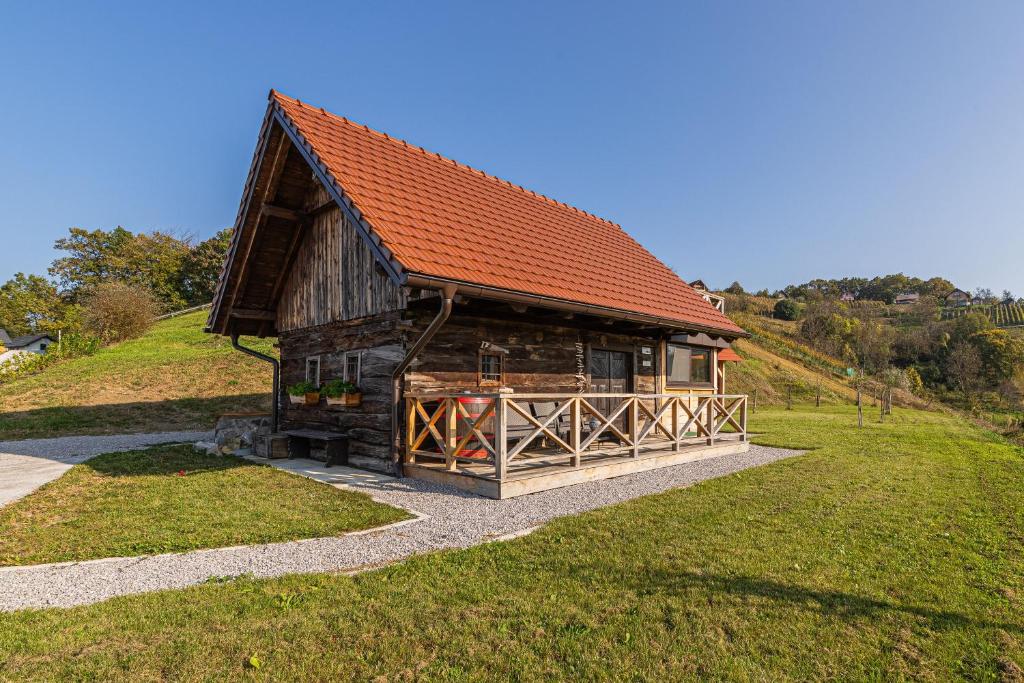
(883,288)
(968,357)
(103,274)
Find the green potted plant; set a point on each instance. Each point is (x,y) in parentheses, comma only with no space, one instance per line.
(305,393)
(342,393)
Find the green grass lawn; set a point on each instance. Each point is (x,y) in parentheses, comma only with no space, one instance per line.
(889,552)
(172,498)
(174,377)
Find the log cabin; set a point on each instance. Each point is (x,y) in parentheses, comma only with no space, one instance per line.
(503,342)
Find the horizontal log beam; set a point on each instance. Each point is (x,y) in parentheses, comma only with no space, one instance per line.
(281,212)
(252,314)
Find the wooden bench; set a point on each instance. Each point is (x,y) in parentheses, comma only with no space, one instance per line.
(336,445)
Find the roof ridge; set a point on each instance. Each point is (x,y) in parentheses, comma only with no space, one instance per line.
(276,94)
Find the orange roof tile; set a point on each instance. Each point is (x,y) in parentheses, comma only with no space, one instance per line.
(729,356)
(442,219)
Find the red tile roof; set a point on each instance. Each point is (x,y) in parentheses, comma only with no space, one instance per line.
(729,356)
(442,219)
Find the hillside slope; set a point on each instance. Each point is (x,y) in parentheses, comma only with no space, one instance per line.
(175,377)
(771,376)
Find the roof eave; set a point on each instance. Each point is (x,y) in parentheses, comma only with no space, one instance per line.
(473,289)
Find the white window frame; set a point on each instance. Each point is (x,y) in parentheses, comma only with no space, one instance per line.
(314,380)
(358,353)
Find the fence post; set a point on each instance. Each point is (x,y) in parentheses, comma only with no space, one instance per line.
(860,406)
(575,428)
(675,424)
(410,428)
(743,419)
(710,426)
(634,425)
(500,437)
(451,432)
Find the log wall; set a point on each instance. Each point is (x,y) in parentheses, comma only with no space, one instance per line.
(543,357)
(381,341)
(335,276)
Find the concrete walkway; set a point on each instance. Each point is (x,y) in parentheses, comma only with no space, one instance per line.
(27,465)
(445,518)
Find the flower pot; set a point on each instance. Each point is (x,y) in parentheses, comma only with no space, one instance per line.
(313,398)
(345,400)
(297,400)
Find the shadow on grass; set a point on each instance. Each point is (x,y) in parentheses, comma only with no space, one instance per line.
(163,461)
(182,414)
(823,601)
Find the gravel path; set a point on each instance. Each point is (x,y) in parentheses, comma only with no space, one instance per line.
(447,518)
(27,465)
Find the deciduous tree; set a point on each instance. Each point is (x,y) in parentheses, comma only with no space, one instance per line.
(30,303)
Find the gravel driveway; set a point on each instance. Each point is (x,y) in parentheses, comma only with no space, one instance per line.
(27,465)
(447,518)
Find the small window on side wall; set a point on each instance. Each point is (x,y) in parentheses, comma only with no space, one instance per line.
(491,369)
(352,366)
(688,366)
(313,370)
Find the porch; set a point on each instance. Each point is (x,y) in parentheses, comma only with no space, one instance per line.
(502,445)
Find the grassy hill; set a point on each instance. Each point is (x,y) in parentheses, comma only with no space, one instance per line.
(892,552)
(175,377)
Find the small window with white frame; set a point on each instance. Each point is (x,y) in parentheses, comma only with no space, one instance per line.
(313,370)
(352,366)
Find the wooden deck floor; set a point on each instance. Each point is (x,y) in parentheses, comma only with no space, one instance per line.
(541,471)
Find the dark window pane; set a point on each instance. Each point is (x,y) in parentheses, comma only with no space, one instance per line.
(678,370)
(490,367)
(700,365)
(352,367)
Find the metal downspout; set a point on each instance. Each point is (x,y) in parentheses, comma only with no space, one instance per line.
(276,408)
(447,295)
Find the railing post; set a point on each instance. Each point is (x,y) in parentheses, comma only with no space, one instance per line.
(711,420)
(743,419)
(675,424)
(575,429)
(410,428)
(634,425)
(500,437)
(451,432)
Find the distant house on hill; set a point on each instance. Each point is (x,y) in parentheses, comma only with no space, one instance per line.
(16,346)
(906,299)
(713,299)
(958,297)
(978,301)
(847,297)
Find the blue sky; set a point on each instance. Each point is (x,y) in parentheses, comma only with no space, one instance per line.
(769,143)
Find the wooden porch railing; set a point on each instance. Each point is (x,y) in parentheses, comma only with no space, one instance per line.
(503,428)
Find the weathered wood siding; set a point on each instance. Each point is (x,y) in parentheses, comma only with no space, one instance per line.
(335,276)
(382,343)
(543,356)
